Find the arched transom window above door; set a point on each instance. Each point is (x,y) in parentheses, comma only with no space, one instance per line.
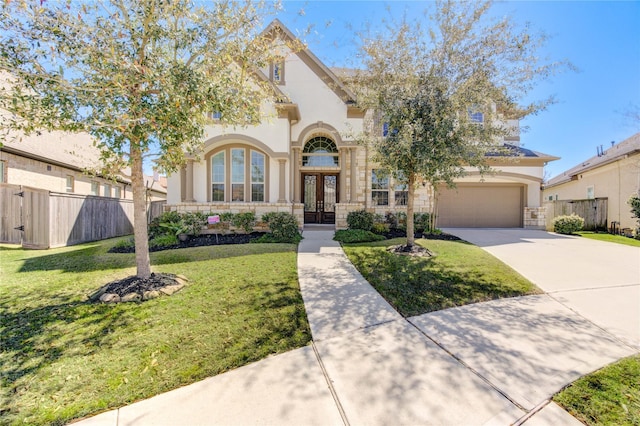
(320,151)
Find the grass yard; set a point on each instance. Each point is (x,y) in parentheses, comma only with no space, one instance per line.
(62,358)
(459,273)
(601,236)
(610,396)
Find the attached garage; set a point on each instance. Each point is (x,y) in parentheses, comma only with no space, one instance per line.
(481,205)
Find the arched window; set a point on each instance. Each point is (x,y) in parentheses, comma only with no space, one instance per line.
(238,173)
(320,152)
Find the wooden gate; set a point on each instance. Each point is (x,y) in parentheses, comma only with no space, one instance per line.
(10,214)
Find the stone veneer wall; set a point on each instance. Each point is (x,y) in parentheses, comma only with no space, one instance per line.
(535,217)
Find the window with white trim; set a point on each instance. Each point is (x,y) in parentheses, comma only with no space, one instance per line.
(106,190)
(95,188)
(379,188)
(117,192)
(217,177)
(238,174)
(3,178)
(70,181)
(257,176)
(400,194)
(277,72)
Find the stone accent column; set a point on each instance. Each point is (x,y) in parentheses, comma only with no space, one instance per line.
(282,196)
(296,174)
(343,175)
(189,189)
(353,197)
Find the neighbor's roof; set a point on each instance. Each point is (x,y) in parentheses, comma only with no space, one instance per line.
(71,150)
(614,153)
(509,150)
(75,151)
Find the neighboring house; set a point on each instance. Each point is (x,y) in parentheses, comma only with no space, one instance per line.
(58,162)
(613,174)
(302,160)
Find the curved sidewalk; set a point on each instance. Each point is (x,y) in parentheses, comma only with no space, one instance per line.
(490,363)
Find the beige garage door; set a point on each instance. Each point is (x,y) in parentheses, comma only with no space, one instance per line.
(481,206)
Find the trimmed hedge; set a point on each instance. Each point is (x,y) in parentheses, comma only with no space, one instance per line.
(568,224)
(356,236)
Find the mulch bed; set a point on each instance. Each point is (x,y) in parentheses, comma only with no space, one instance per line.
(200,241)
(222,239)
(134,284)
(399,233)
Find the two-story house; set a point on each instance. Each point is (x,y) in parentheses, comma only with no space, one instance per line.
(303,159)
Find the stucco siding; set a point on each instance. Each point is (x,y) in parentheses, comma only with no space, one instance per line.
(616,181)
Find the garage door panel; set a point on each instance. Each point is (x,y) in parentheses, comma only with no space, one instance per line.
(481,206)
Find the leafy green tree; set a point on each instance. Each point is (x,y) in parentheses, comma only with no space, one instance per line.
(446,88)
(140,76)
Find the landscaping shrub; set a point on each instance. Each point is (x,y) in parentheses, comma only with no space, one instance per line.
(155,229)
(194,222)
(163,241)
(244,221)
(356,236)
(226,217)
(283,227)
(634,202)
(402,220)
(422,222)
(568,224)
(380,228)
(360,219)
(391,219)
(126,243)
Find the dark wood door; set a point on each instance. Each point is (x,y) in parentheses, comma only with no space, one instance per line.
(320,195)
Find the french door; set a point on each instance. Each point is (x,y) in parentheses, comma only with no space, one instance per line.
(320,195)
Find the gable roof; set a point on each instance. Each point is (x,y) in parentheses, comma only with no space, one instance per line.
(70,150)
(277,28)
(629,146)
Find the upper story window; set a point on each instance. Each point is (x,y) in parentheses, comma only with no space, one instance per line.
(238,174)
(94,188)
(106,190)
(277,72)
(475,116)
(117,192)
(320,152)
(70,183)
(3,170)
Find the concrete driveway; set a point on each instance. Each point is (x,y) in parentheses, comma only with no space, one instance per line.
(598,280)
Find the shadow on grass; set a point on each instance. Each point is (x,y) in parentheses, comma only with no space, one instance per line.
(96,258)
(31,339)
(419,285)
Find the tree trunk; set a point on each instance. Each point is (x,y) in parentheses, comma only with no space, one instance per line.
(411,191)
(143,264)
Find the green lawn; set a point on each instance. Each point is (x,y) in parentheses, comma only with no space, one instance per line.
(459,273)
(62,358)
(610,396)
(600,236)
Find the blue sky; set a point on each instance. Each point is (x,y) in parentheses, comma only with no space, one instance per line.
(601,38)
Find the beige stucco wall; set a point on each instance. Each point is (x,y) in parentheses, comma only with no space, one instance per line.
(616,181)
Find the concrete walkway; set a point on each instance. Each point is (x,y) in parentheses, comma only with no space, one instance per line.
(491,363)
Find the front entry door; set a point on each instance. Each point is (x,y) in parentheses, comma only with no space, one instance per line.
(320,194)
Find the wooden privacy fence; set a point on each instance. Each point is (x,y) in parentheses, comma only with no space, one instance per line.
(594,212)
(41,219)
